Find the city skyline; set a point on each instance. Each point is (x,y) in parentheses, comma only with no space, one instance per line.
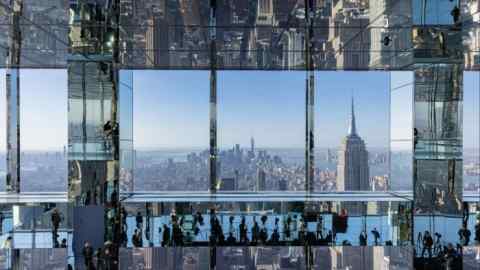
(195,97)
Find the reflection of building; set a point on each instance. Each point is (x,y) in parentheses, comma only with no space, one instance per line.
(389,42)
(352,168)
(349,38)
(157,40)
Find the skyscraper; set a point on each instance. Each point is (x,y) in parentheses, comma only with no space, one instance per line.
(352,167)
(252,145)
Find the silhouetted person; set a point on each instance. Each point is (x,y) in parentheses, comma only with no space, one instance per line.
(455,14)
(363,238)
(415,138)
(242,228)
(301,230)
(231,228)
(477,232)
(437,246)
(2,217)
(177,235)
(139,220)
(263,230)
(99,257)
(329,237)
(275,237)
(87,253)
(165,236)
(320,228)
(286,228)
(56,219)
(464,235)
(376,236)
(427,244)
(135,239)
(231,239)
(255,232)
(124,238)
(450,257)
(64,243)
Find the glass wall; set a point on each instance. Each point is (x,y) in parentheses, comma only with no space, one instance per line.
(434,12)
(352,131)
(3,126)
(471,130)
(261,132)
(401,130)
(43,124)
(170,130)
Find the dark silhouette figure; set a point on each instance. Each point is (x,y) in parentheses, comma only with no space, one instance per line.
(242,228)
(87,253)
(464,235)
(455,14)
(231,239)
(165,236)
(363,238)
(376,236)
(64,243)
(139,220)
(56,219)
(427,244)
(255,232)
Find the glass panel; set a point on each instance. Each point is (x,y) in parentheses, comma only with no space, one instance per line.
(261,131)
(126,130)
(3,126)
(171,130)
(352,153)
(43,114)
(401,130)
(268,223)
(44,29)
(165,258)
(435,12)
(438,114)
(471,132)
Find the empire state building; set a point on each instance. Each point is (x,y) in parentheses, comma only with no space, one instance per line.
(352,167)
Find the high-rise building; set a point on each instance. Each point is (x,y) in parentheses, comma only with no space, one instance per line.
(157,42)
(261,180)
(352,167)
(252,145)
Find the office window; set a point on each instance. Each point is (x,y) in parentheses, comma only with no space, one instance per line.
(43,124)
(170,130)
(261,130)
(352,131)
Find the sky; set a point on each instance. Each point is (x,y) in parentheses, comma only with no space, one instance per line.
(171,108)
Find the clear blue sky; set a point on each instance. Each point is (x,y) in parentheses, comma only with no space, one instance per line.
(171,108)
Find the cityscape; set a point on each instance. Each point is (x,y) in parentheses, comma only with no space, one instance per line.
(239,134)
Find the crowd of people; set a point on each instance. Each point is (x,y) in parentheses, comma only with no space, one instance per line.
(435,250)
(259,231)
(102,258)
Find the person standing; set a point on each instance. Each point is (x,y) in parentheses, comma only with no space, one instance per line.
(376,236)
(87,253)
(427,244)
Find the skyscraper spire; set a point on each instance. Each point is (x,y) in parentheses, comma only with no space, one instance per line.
(352,128)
